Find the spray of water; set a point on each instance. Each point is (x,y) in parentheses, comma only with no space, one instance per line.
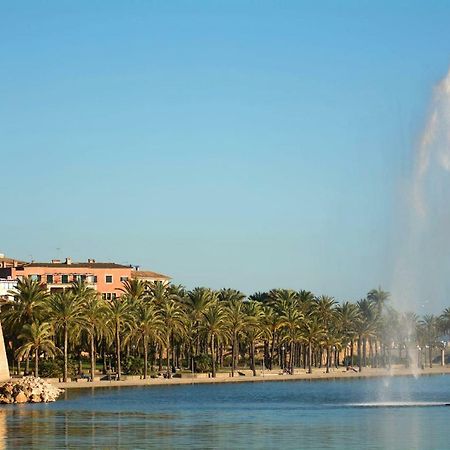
(421,277)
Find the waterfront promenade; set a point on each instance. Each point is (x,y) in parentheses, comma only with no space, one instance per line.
(274,375)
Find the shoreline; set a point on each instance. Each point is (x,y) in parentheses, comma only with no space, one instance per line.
(300,374)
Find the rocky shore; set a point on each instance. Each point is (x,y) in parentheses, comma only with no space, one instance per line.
(28,390)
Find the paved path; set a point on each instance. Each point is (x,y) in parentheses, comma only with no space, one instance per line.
(318,374)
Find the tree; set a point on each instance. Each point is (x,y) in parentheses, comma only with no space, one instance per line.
(365,327)
(134,289)
(197,303)
(291,321)
(149,326)
(65,311)
(429,327)
(378,297)
(324,308)
(173,317)
(348,315)
(312,332)
(28,304)
(94,323)
(120,316)
(236,321)
(36,337)
(213,325)
(255,328)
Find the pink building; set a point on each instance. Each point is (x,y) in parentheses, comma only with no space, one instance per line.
(106,278)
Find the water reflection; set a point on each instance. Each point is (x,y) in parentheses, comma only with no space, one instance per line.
(269,415)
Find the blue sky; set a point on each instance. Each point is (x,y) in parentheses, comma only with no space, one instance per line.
(246,144)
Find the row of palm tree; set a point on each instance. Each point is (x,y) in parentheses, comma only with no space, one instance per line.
(173,327)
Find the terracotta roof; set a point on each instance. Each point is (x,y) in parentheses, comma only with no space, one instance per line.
(148,274)
(96,265)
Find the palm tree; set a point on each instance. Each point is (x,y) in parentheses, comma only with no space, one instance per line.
(173,317)
(28,304)
(348,315)
(378,297)
(197,302)
(255,328)
(236,321)
(290,322)
(430,330)
(213,325)
(148,327)
(312,332)
(94,323)
(324,308)
(365,327)
(120,315)
(270,323)
(36,337)
(65,311)
(134,289)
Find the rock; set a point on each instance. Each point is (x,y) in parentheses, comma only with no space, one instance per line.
(28,389)
(21,398)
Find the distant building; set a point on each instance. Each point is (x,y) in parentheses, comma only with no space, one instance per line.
(106,278)
(145,275)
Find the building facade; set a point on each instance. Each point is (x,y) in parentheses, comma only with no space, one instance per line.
(105,278)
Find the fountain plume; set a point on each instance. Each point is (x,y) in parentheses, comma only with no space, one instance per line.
(420,280)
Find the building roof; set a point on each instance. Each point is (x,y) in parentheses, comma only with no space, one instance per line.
(4,259)
(147,274)
(83,265)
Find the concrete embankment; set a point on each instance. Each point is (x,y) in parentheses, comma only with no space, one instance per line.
(318,374)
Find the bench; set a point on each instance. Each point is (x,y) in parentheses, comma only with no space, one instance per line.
(80,377)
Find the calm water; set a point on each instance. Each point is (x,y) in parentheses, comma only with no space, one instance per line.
(391,413)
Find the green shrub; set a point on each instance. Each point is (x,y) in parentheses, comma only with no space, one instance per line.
(133,365)
(54,368)
(202,363)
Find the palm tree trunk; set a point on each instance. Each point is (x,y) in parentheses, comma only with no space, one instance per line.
(36,362)
(309,357)
(168,356)
(92,356)
(352,344)
(272,351)
(118,362)
(233,360)
(328,359)
(213,355)
(430,354)
(359,353)
(291,358)
(66,339)
(145,357)
(252,357)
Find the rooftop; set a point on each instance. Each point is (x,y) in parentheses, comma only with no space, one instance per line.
(78,265)
(147,274)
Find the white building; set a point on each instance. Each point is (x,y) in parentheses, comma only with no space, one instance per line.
(5,287)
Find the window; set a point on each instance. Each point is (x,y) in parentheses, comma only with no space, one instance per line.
(95,278)
(49,279)
(122,279)
(113,296)
(64,279)
(108,278)
(104,296)
(35,277)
